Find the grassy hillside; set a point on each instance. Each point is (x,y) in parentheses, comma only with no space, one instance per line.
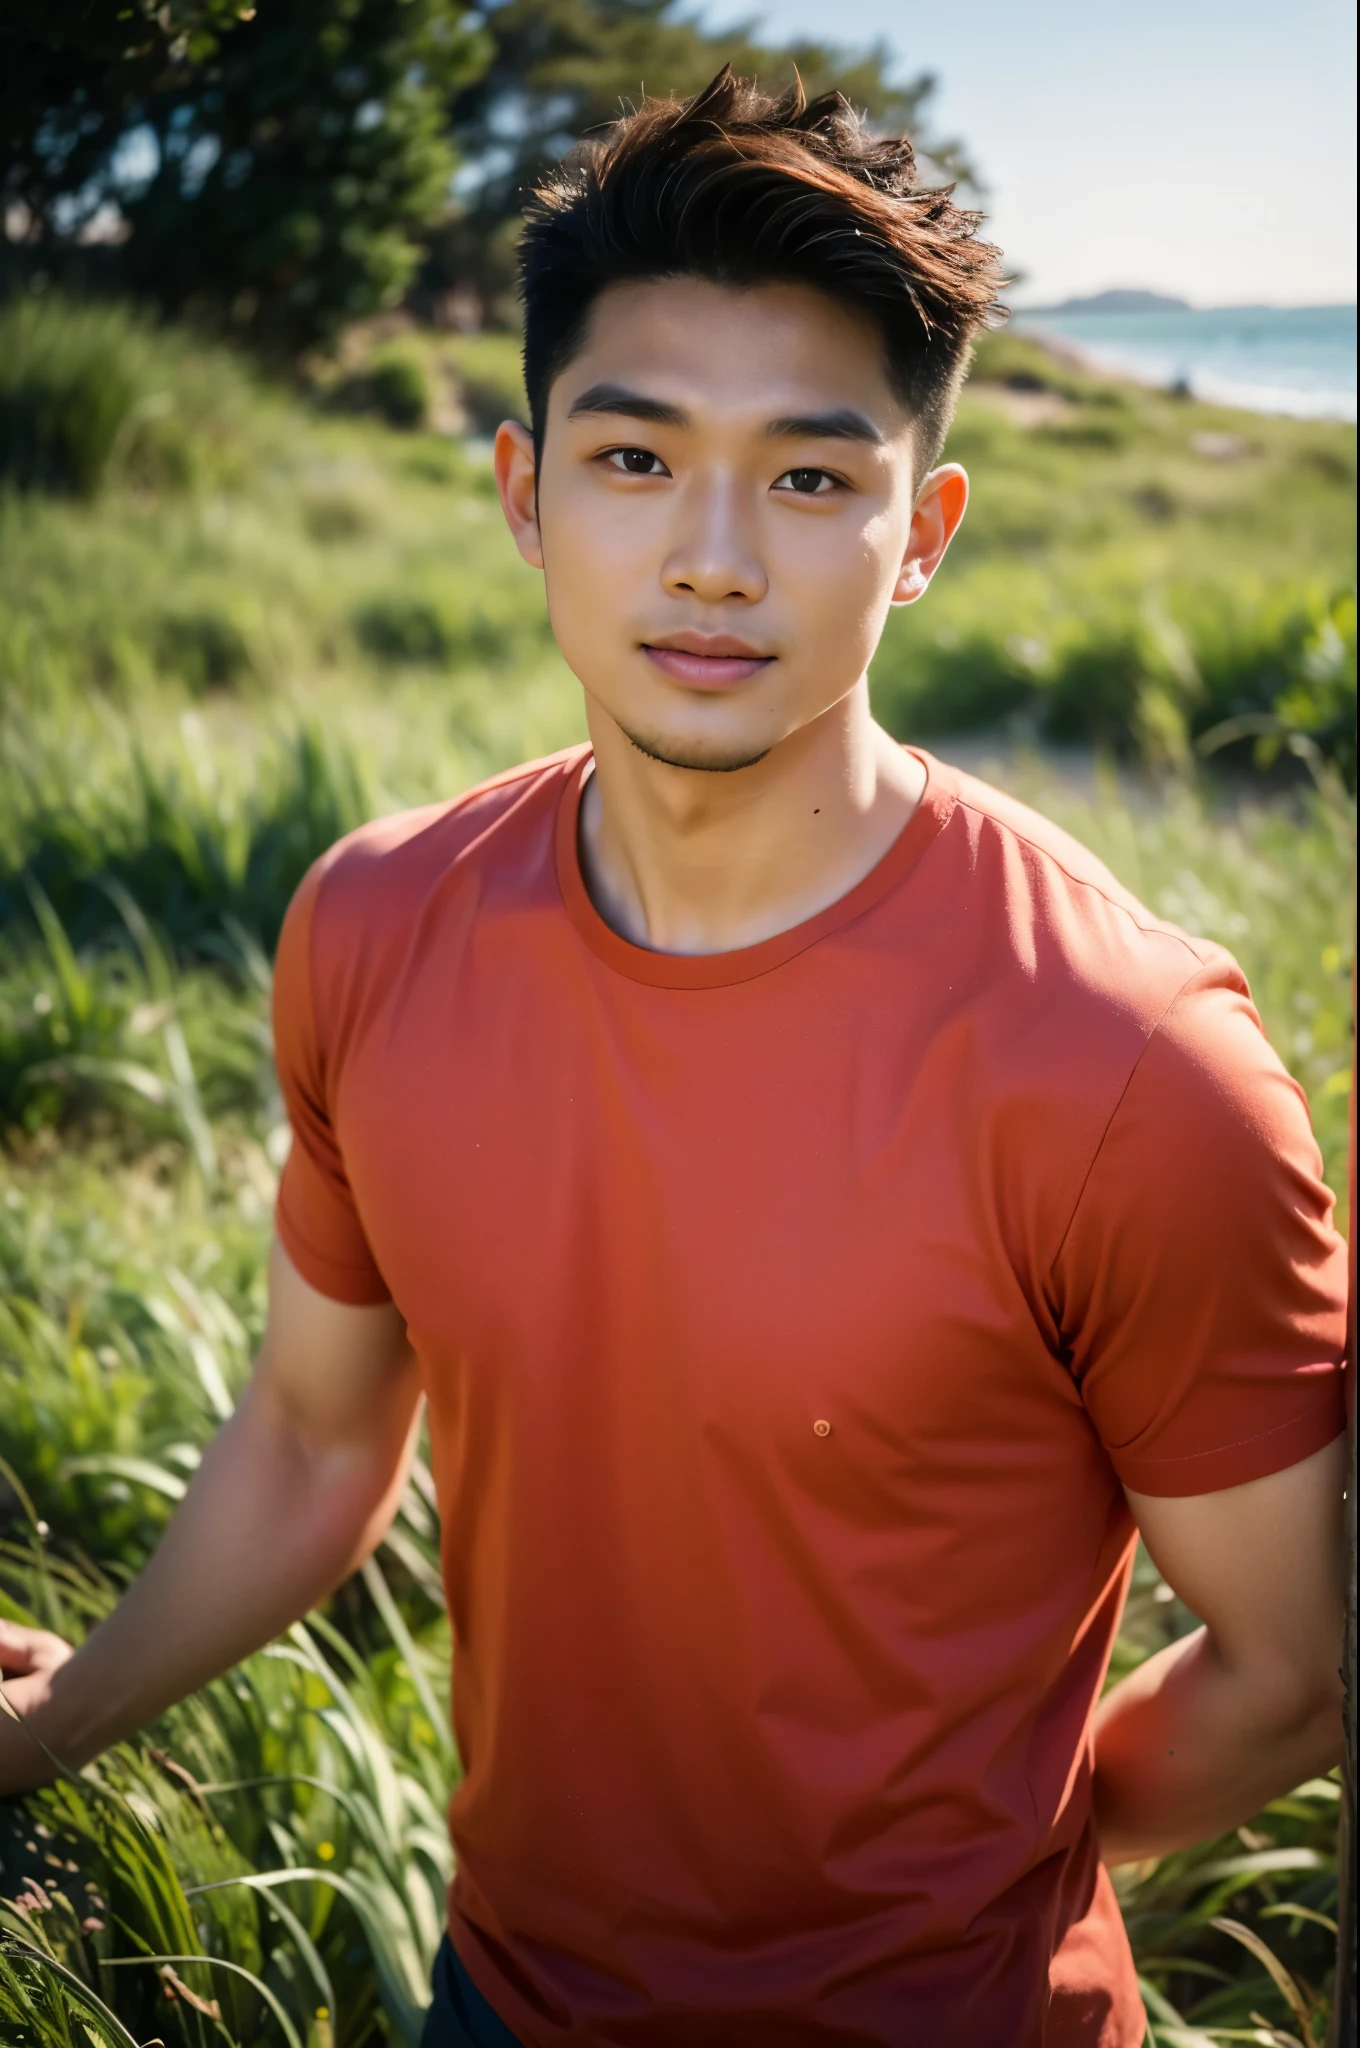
(1135,569)
(233,622)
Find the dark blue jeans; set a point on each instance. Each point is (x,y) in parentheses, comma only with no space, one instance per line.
(460,2017)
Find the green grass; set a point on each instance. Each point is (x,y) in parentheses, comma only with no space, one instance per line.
(96,397)
(267,590)
(279,1841)
(1134,569)
(209,668)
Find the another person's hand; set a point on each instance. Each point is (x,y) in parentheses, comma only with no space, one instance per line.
(29,1659)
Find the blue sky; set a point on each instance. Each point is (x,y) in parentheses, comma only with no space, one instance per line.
(1202,147)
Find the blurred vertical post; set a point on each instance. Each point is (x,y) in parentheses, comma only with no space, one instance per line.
(1343,2028)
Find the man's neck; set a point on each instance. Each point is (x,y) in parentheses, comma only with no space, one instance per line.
(684,861)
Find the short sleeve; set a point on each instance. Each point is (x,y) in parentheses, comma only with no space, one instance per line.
(315,1215)
(1201,1287)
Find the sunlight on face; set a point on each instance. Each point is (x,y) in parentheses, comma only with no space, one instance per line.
(724,507)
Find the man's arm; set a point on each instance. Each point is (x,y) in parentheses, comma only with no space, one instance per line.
(1203,1734)
(294,1492)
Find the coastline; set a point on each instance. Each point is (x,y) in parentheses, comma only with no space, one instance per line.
(1193,356)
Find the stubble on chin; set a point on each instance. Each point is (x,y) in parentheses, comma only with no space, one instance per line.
(699,759)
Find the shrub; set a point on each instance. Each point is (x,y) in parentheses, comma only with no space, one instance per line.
(203,648)
(192,849)
(400,627)
(1024,364)
(400,390)
(89,392)
(1143,673)
(394,384)
(450,624)
(490,379)
(1093,427)
(69,387)
(113,1036)
(335,516)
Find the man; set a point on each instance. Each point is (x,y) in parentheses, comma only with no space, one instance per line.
(825,1215)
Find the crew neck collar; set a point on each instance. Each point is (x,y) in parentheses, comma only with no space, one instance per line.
(744,963)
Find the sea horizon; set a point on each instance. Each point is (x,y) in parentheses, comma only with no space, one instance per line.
(1298,360)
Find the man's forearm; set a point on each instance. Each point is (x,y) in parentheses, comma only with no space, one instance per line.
(1187,1747)
(268,1527)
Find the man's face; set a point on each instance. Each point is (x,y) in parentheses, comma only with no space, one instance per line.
(724,513)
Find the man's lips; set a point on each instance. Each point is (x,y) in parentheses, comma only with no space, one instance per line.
(706,661)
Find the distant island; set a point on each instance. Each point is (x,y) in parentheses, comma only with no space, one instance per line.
(1118,301)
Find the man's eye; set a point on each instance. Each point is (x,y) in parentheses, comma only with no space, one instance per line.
(637,462)
(807,483)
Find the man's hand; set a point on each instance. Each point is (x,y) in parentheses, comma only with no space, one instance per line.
(292,1495)
(28,1659)
(1199,1738)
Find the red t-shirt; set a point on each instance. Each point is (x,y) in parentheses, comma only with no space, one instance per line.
(789,1318)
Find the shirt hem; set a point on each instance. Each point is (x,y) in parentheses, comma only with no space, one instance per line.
(355,1286)
(1256,1457)
(488,1980)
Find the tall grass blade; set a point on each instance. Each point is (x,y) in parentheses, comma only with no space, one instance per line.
(387,1607)
(111,1464)
(261,1989)
(401,1976)
(306,1947)
(109,2023)
(1270,1962)
(75,983)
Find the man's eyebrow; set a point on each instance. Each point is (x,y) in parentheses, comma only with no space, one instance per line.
(617,398)
(843,425)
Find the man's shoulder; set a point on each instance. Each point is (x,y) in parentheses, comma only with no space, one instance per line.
(1071,926)
(1081,988)
(380,875)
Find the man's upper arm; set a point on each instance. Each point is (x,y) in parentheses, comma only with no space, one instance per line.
(1262,1566)
(336,1366)
(335,1372)
(317,1216)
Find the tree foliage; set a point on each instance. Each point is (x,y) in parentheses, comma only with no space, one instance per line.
(271,167)
(560,68)
(287,168)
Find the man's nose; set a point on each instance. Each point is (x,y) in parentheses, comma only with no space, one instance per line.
(713,555)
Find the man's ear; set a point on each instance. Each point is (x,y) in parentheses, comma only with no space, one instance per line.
(517,482)
(940,505)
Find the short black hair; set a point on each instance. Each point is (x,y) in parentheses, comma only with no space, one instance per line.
(742,188)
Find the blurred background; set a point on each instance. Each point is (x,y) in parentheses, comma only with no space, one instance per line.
(257,324)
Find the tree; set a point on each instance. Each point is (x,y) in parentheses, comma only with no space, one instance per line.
(273,168)
(284,167)
(562,67)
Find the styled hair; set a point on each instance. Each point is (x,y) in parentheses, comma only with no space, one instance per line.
(742,188)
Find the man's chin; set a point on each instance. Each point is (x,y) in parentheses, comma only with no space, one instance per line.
(702,757)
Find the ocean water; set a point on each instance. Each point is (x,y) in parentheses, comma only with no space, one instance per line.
(1286,359)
